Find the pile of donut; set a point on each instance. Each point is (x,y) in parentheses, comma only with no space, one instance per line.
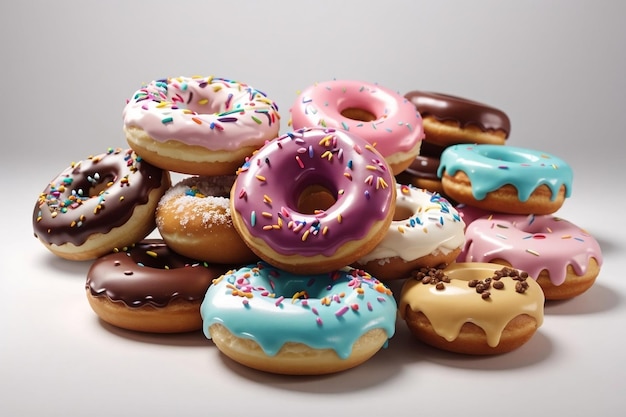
(281,248)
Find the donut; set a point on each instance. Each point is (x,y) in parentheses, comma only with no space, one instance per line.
(450,120)
(100,203)
(193,218)
(470,213)
(426,231)
(472,307)
(422,173)
(313,200)
(270,320)
(199,125)
(149,288)
(377,114)
(563,258)
(505,179)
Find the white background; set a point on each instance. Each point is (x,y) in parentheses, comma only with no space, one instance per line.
(556,67)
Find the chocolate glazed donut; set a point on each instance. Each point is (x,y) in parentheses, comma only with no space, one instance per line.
(449,120)
(148,287)
(422,173)
(98,204)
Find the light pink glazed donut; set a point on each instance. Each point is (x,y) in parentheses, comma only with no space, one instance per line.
(564,259)
(199,125)
(381,116)
(470,213)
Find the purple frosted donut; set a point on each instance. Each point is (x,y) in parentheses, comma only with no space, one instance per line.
(313,200)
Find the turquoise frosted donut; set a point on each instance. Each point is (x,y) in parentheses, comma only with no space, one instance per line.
(273,308)
(489,168)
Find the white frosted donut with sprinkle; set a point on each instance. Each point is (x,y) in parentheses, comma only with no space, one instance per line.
(426,232)
(199,125)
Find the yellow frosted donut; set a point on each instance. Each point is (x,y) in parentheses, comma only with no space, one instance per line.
(472,307)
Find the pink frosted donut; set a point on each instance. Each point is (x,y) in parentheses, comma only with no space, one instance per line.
(313,200)
(379,115)
(470,213)
(564,259)
(199,125)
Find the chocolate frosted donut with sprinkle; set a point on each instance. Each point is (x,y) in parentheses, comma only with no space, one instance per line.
(148,287)
(98,204)
(313,200)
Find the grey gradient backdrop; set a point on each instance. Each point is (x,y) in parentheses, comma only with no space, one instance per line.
(556,67)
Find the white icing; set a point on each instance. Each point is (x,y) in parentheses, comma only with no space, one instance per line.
(434,226)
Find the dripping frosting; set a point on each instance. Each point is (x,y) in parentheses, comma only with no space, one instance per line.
(323,311)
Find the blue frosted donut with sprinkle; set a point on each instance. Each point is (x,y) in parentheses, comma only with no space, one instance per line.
(505,178)
(272,307)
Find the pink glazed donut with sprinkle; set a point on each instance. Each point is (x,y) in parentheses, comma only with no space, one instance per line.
(379,115)
(313,200)
(199,125)
(563,258)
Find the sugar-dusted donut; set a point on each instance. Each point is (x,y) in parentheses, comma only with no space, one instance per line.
(563,258)
(449,120)
(199,125)
(472,307)
(100,203)
(148,287)
(313,200)
(505,179)
(270,320)
(377,114)
(193,218)
(426,232)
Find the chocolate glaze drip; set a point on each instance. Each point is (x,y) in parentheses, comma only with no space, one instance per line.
(151,273)
(463,111)
(94,196)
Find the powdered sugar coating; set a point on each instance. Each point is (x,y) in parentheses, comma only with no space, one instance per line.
(199,197)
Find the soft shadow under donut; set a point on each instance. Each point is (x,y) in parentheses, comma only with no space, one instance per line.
(599,298)
(536,350)
(188,339)
(376,371)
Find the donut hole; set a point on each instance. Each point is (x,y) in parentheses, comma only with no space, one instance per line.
(97,186)
(402,213)
(355,113)
(312,287)
(503,154)
(314,198)
(535,229)
(205,105)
